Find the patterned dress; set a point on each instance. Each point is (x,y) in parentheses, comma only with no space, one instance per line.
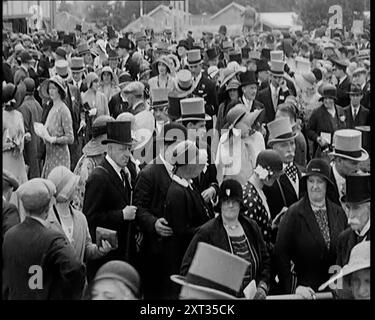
(256,210)
(59,124)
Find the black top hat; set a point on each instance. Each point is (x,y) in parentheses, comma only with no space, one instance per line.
(125,43)
(111,32)
(234,56)
(262,65)
(248,77)
(358,189)
(183,43)
(245,52)
(212,53)
(230,189)
(60,35)
(119,132)
(265,54)
(55,45)
(68,39)
(174,105)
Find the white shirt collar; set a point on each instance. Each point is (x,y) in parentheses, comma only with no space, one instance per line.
(342,79)
(43,222)
(137,104)
(339,179)
(182,182)
(114,165)
(247,103)
(197,79)
(365,228)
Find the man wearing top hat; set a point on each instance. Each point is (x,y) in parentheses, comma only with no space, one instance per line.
(150,193)
(360,78)
(112,40)
(276,92)
(357,202)
(343,83)
(124,49)
(212,56)
(286,190)
(77,66)
(249,89)
(355,113)
(45,61)
(347,155)
(108,197)
(204,87)
(68,44)
(141,41)
(20,75)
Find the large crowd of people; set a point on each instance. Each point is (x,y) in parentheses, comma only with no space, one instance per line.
(139,166)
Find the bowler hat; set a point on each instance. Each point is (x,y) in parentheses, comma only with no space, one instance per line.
(355,89)
(124,78)
(329,91)
(359,259)
(271,161)
(192,109)
(318,167)
(215,272)
(183,43)
(212,53)
(280,130)
(119,132)
(247,78)
(122,271)
(125,43)
(358,188)
(10,179)
(9,90)
(36,193)
(347,144)
(231,189)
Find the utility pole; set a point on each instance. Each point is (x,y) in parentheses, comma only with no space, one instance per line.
(141,8)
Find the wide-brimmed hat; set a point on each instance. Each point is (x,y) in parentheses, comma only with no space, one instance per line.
(320,168)
(123,272)
(77,64)
(347,143)
(90,78)
(212,71)
(63,70)
(119,132)
(359,259)
(194,57)
(11,179)
(144,126)
(99,133)
(167,62)
(233,84)
(174,59)
(280,130)
(247,78)
(231,189)
(215,272)
(159,97)
(57,80)
(192,109)
(355,89)
(65,182)
(226,75)
(36,193)
(109,70)
(277,68)
(358,188)
(340,63)
(328,91)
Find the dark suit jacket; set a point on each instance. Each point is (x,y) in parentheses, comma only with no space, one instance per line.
(274,194)
(116,105)
(257,106)
(345,243)
(105,198)
(31,244)
(343,98)
(333,193)
(300,240)
(265,97)
(11,216)
(206,89)
(362,118)
(7,72)
(365,101)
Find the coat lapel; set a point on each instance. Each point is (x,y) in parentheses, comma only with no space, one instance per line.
(287,186)
(114,177)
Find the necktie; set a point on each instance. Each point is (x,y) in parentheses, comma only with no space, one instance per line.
(275,98)
(355,112)
(360,238)
(125,175)
(291,172)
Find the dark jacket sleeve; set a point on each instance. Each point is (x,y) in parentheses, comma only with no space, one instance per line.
(92,208)
(72,271)
(311,128)
(10,217)
(283,250)
(142,200)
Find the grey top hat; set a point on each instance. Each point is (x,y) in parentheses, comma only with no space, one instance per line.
(193,109)
(347,144)
(280,130)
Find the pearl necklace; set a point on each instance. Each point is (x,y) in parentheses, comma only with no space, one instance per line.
(231,227)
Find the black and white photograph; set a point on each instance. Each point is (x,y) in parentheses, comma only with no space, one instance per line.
(186,150)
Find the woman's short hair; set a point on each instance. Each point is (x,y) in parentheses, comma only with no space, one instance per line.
(61,92)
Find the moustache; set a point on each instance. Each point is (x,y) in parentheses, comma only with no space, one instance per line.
(352,221)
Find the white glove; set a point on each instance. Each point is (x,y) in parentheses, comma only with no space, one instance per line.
(93,112)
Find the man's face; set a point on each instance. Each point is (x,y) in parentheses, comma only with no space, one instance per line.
(213,62)
(263,76)
(250,91)
(113,42)
(161,114)
(361,284)
(77,76)
(88,58)
(195,70)
(346,167)
(329,103)
(119,153)
(181,51)
(113,64)
(286,150)
(197,130)
(251,65)
(276,80)
(355,99)
(142,44)
(358,215)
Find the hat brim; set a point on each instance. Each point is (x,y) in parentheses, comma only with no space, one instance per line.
(364,155)
(278,74)
(228,78)
(78,69)
(127,143)
(206,118)
(43,90)
(344,200)
(95,147)
(181,281)
(275,140)
(321,175)
(345,271)
(121,279)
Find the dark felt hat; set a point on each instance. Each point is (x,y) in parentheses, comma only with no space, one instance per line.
(230,189)
(248,77)
(318,167)
(119,132)
(262,65)
(358,188)
(212,53)
(355,89)
(125,43)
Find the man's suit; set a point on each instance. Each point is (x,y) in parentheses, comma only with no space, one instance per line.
(149,196)
(362,118)
(32,244)
(343,98)
(105,198)
(117,106)
(265,97)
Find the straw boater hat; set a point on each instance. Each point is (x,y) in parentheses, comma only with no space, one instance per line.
(167,62)
(99,133)
(213,274)
(280,130)
(359,260)
(194,57)
(347,144)
(192,109)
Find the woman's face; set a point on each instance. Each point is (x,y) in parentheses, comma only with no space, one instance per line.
(316,188)
(230,209)
(110,289)
(107,77)
(233,94)
(88,58)
(95,85)
(162,68)
(181,51)
(329,102)
(53,91)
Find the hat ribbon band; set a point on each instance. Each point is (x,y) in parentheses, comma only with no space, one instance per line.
(194,115)
(195,61)
(354,154)
(184,89)
(200,281)
(285,136)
